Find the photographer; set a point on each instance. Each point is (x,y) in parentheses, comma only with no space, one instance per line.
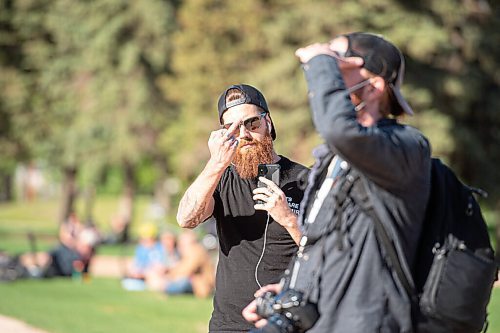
(256,239)
(354,89)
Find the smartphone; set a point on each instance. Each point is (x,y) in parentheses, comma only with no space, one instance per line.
(268,171)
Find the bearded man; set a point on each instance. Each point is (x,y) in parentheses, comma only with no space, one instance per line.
(257,239)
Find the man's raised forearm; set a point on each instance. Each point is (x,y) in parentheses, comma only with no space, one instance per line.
(291,225)
(197,203)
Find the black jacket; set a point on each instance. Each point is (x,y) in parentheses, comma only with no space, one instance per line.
(342,268)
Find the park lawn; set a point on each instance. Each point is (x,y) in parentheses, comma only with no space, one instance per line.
(39,217)
(101,305)
(63,306)
(494,312)
(66,306)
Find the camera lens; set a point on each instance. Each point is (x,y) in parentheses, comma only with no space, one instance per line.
(265,305)
(262,169)
(287,312)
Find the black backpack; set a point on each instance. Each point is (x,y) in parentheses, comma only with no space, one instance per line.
(11,268)
(455,269)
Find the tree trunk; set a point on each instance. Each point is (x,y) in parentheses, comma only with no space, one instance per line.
(162,194)
(89,196)
(69,193)
(6,190)
(127,202)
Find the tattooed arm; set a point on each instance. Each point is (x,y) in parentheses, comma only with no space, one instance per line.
(197,204)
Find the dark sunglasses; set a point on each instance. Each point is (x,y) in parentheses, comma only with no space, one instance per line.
(250,124)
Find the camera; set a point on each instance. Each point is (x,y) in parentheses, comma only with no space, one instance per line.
(286,312)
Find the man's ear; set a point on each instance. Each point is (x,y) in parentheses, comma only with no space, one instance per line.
(377,87)
(268,123)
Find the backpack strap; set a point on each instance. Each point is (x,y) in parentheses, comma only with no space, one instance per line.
(363,199)
(389,248)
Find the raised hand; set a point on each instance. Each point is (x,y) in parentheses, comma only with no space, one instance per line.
(332,49)
(222,145)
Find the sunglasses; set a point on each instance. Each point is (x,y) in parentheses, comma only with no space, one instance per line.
(250,124)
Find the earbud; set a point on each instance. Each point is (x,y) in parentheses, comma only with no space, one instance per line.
(360,106)
(269,127)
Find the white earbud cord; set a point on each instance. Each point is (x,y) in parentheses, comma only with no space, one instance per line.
(262,254)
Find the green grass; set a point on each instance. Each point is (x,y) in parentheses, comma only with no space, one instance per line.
(65,306)
(62,306)
(494,312)
(40,217)
(19,244)
(101,305)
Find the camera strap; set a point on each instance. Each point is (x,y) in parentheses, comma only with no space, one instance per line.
(333,173)
(327,185)
(329,201)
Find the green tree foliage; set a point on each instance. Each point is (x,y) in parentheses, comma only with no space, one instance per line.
(13,96)
(92,70)
(213,47)
(98,82)
(88,84)
(451,49)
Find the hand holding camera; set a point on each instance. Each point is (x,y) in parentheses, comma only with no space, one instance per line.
(250,311)
(286,312)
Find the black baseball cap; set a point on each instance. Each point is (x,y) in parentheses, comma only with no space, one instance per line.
(383,59)
(250,95)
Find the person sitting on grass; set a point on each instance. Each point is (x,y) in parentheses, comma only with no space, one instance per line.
(193,274)
(77,247)
(151,256)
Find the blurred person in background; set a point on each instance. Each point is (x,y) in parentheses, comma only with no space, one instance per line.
(256,240)
(192,274)
(148,254)
(77,247)
(70,229)
(152,254)
(168,241)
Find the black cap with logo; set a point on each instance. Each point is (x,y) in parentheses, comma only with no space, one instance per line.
(250,95)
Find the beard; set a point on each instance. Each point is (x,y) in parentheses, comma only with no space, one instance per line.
(246,161)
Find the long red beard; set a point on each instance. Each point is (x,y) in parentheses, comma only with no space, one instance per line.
(246,162)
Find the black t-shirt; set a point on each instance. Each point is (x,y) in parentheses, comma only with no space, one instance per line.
(240,229)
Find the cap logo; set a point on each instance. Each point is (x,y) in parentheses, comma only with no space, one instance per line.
(249,95)
(241,100)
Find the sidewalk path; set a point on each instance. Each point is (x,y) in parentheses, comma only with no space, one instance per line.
(11,325)
(109,266)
